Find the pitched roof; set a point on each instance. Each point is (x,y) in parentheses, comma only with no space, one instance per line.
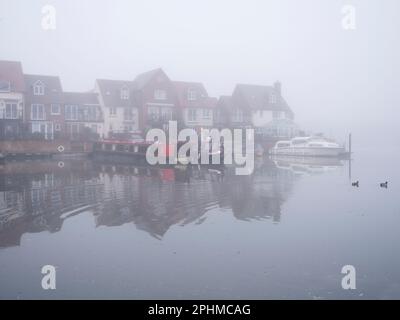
(142,79)
(11,72)
(202,100)
(110,91)
(80,98)
(258,97)
(52,84)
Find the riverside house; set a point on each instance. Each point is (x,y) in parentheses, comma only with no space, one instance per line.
(83,116)
(196,108)
(260,107)
(155,97)
(117,102)
(43,106)
(12,89)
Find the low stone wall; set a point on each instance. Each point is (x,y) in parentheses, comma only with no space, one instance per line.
(36,147)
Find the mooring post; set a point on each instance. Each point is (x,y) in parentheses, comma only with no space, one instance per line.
(350,144)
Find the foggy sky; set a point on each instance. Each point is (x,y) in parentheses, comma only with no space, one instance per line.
(335,80)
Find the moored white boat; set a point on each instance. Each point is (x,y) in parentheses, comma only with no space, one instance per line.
(308,146)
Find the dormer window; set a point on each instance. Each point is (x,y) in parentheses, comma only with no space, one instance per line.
(5,86)
(192,95)
(160,94)
(124,93)
(38,89)
(272,98)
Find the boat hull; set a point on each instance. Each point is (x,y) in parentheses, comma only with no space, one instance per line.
(308,151)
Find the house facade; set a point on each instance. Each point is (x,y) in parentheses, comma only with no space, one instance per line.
(260,107)
(12,99)
(118,106)
(44,114)
(156,99)
(196,108)
(83,116)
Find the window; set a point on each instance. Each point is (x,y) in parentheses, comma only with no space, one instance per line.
(124,93)
(160,94)
(272,98)
(128,114)
(191,95)
(91,113)
(206,114)
(45,128)
(55,109)
(5,86)
(153,113)
(94,128)
(57,127)
(276,114)
(166,114)
(113,111)
(71,112)
(38,112)
(192,115)
(38,89)
(11,111)
(237,115)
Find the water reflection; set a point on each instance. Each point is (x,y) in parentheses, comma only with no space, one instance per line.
(39,196)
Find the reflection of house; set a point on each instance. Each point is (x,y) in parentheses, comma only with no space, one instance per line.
(35,197)
(12,89)
(38,196)
(117,101)
(43,111)
(83,116)
(195,106)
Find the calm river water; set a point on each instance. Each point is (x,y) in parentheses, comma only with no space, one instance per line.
(116,231)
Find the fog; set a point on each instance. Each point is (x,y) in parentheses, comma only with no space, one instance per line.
(335,80)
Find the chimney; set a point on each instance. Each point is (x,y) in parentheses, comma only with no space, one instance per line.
(278,88)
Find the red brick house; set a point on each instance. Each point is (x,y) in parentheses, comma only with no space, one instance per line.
(12,89)
(155,98)
(44,106)
(196,108)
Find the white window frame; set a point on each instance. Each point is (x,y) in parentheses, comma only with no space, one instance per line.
(272,98)
(124,93)
(160,94)
(13,110)
(59,109)
(237,115)
(191,95)
(74,112)
(206,114)
(35,108)
(276,114)
(113,111)
(192,115)
(38,88)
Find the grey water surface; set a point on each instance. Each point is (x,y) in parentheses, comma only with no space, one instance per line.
(120,231)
